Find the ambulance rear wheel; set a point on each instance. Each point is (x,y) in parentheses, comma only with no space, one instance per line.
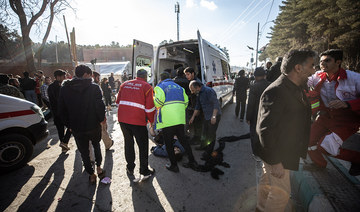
(15,151)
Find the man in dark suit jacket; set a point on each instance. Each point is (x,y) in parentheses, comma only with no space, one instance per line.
(284,129)
(240,87)
(253,106)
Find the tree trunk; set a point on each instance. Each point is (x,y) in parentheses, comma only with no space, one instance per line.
(17,7)
(52,14)
(28,54)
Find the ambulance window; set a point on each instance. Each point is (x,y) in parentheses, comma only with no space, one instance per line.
(144,63)
(225,69)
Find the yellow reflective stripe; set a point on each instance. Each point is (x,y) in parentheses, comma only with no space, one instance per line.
(315,105)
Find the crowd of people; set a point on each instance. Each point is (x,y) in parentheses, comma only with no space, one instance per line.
(292,110)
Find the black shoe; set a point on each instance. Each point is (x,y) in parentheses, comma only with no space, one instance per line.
(193,165)
(354,169)
(148,173)
(173,168)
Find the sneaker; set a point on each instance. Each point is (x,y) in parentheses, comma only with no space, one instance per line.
(173,168)
(64,146)
(148,174)
(354,169)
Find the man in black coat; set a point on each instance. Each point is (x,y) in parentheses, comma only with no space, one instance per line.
(284,128)
(274,71)
(82,110)
(253,106)
(240,88)
(53,92)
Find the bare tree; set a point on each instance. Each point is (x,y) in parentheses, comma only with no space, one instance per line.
(55,7)
(28,12)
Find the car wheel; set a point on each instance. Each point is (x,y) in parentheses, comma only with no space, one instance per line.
(15,151)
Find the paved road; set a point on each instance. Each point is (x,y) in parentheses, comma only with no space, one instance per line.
(57,182)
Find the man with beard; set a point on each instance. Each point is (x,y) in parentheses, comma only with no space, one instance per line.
(283,127)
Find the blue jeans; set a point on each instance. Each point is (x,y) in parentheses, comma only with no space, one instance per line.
(30,95)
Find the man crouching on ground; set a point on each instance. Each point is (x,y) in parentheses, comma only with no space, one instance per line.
(82,110)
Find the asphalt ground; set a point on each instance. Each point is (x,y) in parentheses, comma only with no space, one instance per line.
(53,181)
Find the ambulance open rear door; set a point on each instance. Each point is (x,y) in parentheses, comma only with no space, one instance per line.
(143,56)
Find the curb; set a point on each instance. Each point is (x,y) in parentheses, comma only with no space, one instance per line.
(308,193)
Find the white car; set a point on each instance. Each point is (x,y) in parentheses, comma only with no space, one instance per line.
(22,125)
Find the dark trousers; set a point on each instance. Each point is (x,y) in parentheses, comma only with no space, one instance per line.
(240,102)
(107,98)
(254,137)
(82,142)
(61,130)
(141,135)
(46,102)
(210,134)
(197,125)
(179,131)
(39,99)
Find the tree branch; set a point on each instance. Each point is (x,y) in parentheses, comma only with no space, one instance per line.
(37,15)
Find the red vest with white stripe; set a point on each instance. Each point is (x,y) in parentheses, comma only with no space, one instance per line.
(136,104)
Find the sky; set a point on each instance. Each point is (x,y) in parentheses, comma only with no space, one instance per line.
(228,23)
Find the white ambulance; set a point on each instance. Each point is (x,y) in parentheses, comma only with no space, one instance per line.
(209,62)
(22,125)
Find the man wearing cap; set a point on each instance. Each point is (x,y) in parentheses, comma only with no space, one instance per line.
(253,106)
(136,109)
(53,93)
(240,87)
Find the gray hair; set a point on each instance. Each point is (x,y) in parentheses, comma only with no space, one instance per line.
(195,84)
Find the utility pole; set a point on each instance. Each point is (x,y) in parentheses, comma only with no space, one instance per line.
(67,36)
(257,45)
(56,50)
(177,11)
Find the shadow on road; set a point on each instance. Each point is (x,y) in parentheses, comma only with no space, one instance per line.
(103,195)
(11,187)
(43,194)
(78,195)
(144,196)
